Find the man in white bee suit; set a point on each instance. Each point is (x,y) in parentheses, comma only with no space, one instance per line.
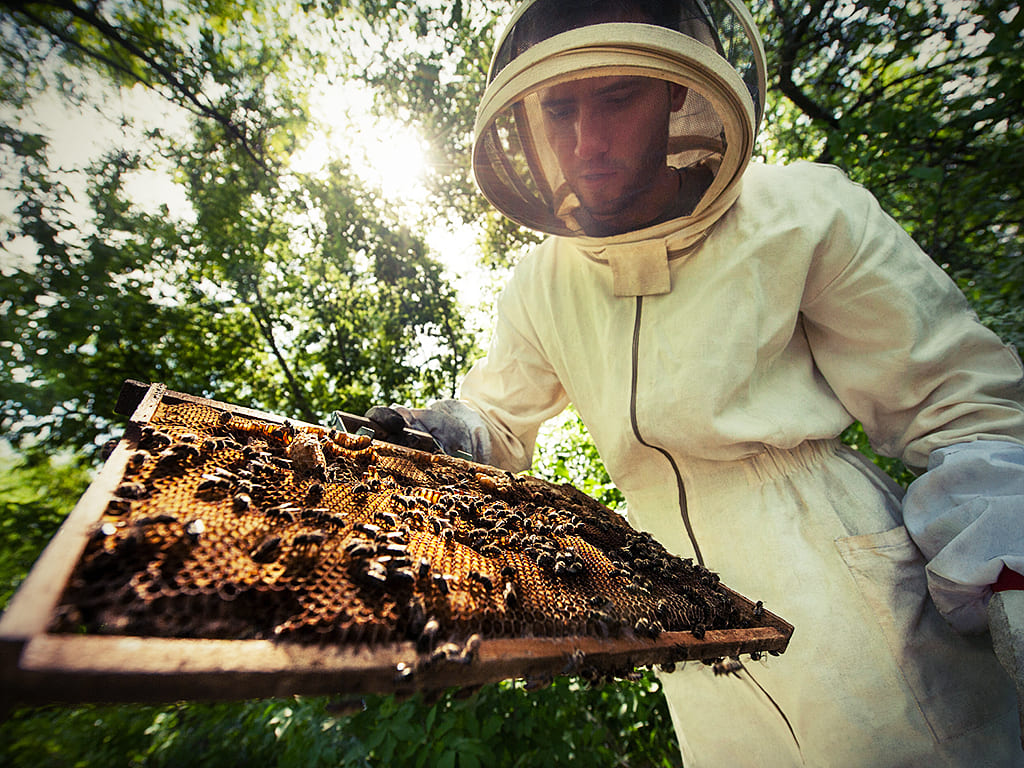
(717,324)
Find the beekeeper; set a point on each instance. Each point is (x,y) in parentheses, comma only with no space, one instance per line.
(717,324)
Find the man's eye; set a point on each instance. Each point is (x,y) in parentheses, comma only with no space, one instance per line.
(619,99)
(558,114)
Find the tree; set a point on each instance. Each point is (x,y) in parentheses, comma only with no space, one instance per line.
(297,294)
(917,101)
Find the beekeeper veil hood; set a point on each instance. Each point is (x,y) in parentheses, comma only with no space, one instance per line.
(709,47)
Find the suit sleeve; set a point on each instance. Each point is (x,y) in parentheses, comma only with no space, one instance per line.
(896,340)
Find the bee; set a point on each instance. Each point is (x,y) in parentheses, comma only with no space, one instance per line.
(316,516)
(643,627)
(368,528)
(375,573)
(469,650)
(487,484)
(759,610)
(131,490)
(359,549)
(310,538)
(490,550)
(698,631)
(161,519)
(117,506)
(510,596)
(427,635)
(508,571)
(267,550)
(104,530)
(283,512)
(315,494)
(257,467)
(727,667)
(403,576)
(398,562)
(281,462)
(253,453)
(241,503)
(562,569)
(445,652)
(136,460)
(448,535)
(214,482)
(403,672)
(194,529)
(441,582)
(154,440)
(212,444)
(662,609)
(335,521)
(387,518)
(482,579)
(176,455)
(423,568)
(224,418)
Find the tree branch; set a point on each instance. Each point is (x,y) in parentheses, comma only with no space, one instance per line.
(794,40)
(192,98)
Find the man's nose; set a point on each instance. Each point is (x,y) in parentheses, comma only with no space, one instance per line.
(591,135)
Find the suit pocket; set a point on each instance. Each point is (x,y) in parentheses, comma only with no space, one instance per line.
(954,679)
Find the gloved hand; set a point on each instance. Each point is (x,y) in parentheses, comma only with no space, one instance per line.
(457,428)
(1006,623)
(388,422)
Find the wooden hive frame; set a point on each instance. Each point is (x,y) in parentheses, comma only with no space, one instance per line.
(40,666)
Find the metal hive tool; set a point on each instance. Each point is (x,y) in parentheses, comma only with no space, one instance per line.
(227,553)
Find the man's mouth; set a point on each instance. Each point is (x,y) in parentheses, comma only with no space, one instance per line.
(596,175)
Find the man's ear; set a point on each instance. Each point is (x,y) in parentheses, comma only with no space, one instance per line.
(677,95)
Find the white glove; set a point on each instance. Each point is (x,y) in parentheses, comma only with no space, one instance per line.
(966,515)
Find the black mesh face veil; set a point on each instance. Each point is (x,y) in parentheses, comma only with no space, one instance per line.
(709,46)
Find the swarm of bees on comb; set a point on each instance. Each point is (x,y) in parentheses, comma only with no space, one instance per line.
(226,526)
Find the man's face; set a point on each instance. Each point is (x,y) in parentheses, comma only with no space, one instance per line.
(610,136)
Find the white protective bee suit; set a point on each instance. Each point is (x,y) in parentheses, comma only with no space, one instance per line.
(714,359)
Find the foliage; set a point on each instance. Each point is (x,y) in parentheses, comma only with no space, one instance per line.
(917,101)
(34,499)
(618,724)
(855,437)
(435,84)
(297,293)
(206,69)
(567,454)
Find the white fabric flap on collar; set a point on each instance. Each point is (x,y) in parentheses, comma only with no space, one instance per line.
(638,269)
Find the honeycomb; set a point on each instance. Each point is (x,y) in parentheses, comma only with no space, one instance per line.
(226,526)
